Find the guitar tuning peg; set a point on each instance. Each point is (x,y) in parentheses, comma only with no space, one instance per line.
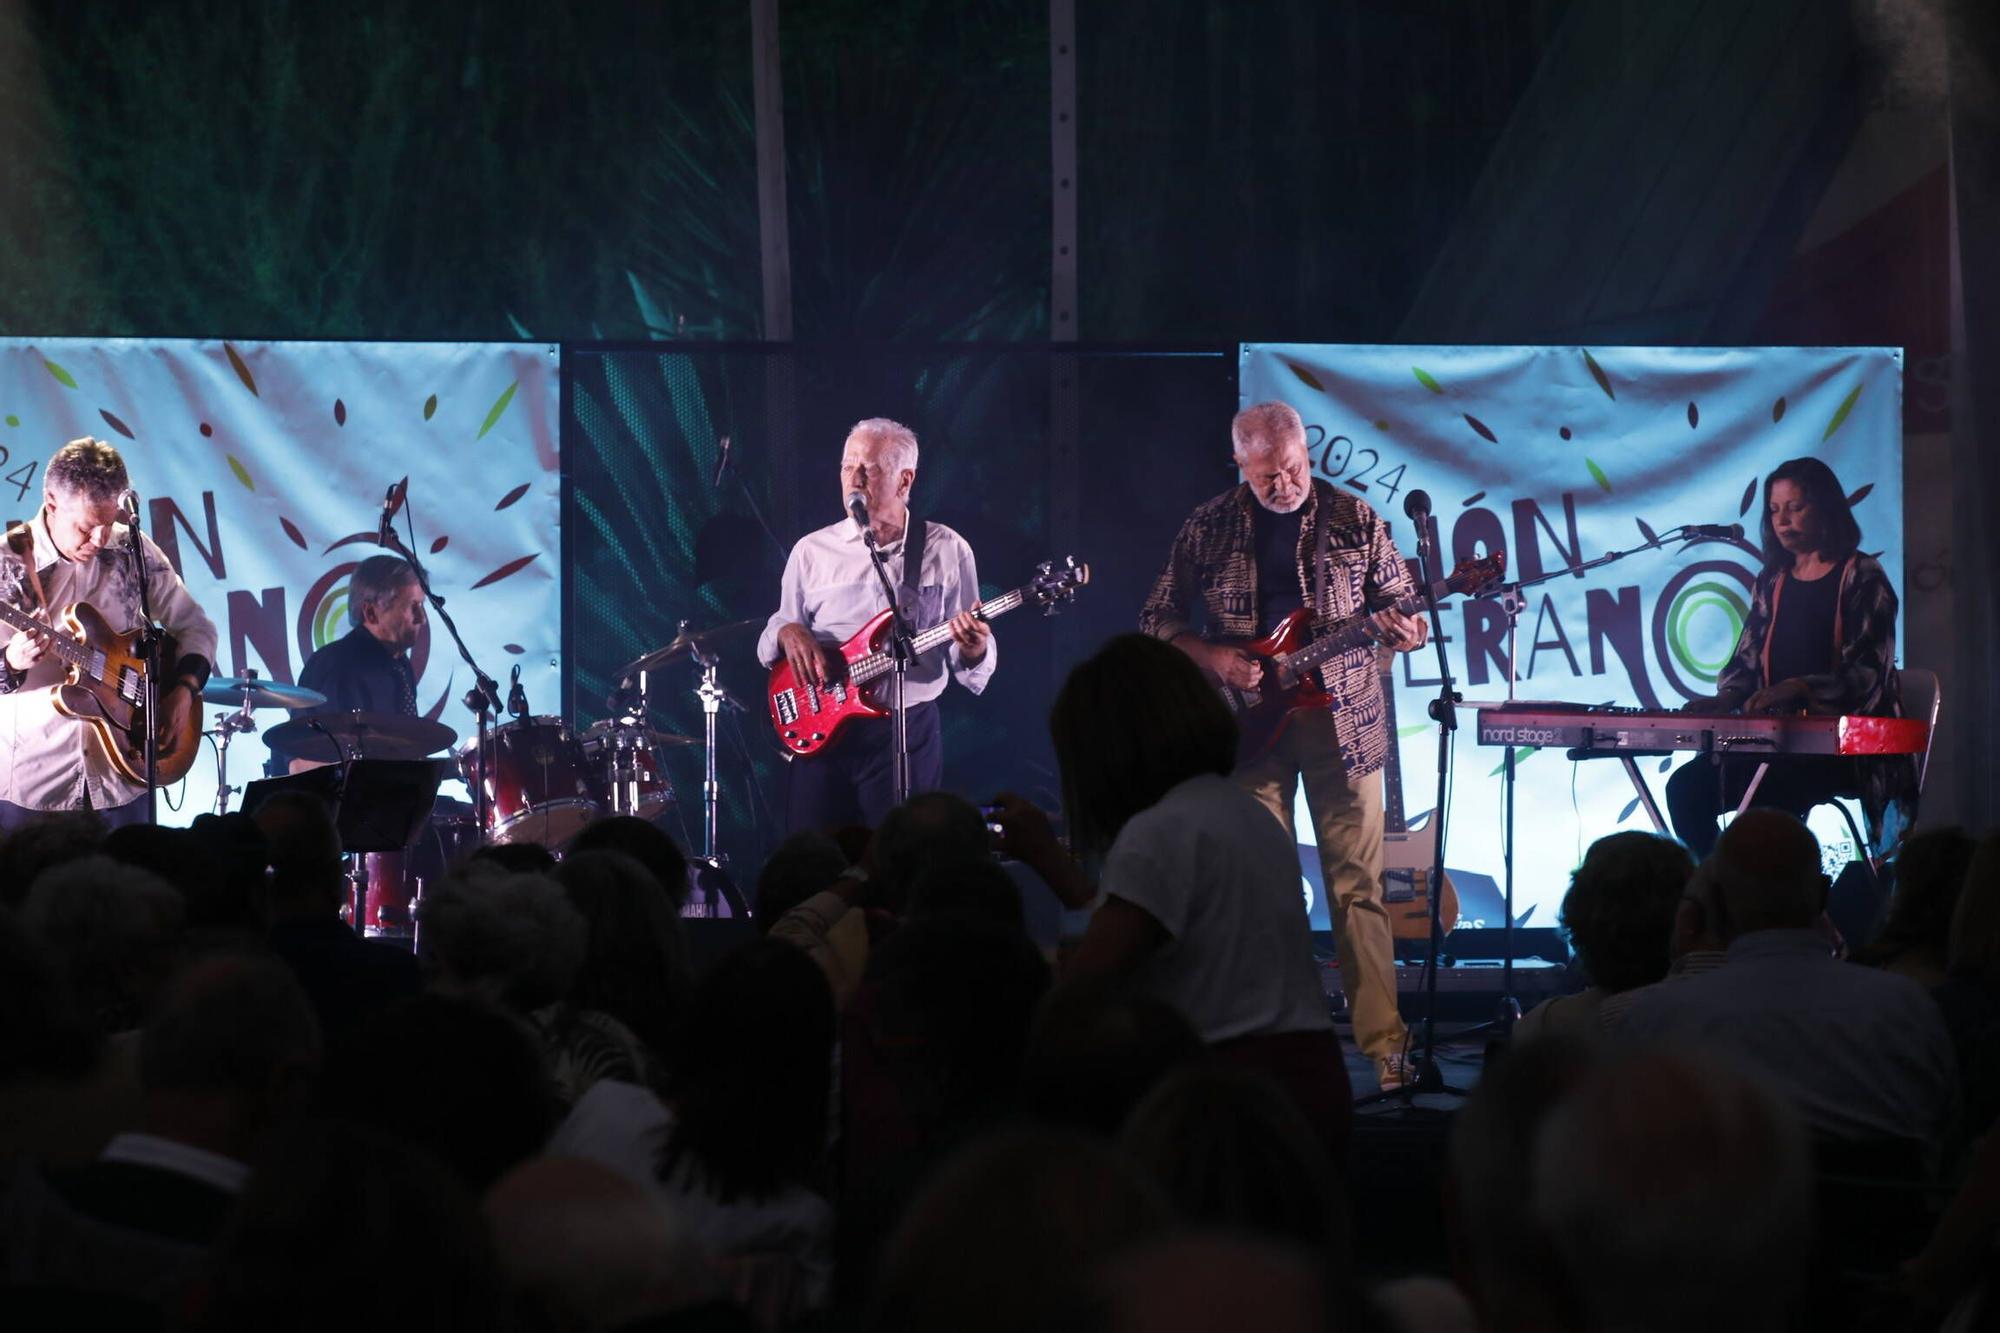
(1044,568)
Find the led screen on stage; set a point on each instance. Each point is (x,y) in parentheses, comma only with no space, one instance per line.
(1560,454)
(263,466)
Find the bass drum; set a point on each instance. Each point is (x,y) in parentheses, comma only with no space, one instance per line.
(538,787)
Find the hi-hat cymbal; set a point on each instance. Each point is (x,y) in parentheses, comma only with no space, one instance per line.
(666,740)
(368,735)
(687,643)
(233,690)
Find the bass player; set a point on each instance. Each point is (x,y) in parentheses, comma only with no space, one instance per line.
(1279,541)
(76,550)
(829,591)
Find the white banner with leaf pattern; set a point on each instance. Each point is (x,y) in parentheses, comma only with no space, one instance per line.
(1560,454)
(263,467)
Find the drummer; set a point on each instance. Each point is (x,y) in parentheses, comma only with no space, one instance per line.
(369,669)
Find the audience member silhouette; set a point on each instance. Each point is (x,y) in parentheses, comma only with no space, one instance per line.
(645,843)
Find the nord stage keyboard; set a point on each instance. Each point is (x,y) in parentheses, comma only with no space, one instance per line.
(1634,731)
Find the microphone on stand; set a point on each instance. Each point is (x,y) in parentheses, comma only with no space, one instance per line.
(1417,507)
(1726,531)
(721,463)
(517,697)
(857,508)
(399,491)
(128,506)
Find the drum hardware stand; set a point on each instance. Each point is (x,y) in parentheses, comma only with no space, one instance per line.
(148,644)
(226,726)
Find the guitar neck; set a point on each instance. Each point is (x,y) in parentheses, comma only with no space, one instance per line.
(68,649)
(1344,636)
(867,668)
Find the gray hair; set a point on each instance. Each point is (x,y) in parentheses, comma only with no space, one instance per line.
(517,935)
(87,467)
(228,1023)
(900,440)
(373,582)
(1265,426)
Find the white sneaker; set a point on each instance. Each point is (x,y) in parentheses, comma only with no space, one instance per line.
(1393,1072)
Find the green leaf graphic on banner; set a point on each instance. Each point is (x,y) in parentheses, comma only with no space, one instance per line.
(1413,729)
(508,397)
(242,371)
(1846,406)
(514,566)
(242,474)
(1860,495)
(1481,428)
(1305,377)
(430,407)
(511,496)
(1778,410)
(1597,474)
(1424,378)
(63,377)
(1381,425)
(13,420)
(1597,373)
(116,424)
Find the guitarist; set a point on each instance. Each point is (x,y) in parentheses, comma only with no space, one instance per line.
(75,550)
(1280,541)
(829,591)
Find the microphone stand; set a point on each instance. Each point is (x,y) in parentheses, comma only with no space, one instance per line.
(484,696)
(900,636)
(149,649)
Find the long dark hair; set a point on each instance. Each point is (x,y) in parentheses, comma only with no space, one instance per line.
(1132,722)
(1840,535)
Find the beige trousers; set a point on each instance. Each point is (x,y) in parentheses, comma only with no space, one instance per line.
(1347,821)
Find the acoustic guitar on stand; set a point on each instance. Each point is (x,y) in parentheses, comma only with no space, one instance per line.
(106,689)
(807,717)
(1292,655)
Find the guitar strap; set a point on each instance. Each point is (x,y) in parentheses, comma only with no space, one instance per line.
(1322,523)
(913,568)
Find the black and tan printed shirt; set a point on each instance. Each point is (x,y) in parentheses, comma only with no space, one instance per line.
(1214,560)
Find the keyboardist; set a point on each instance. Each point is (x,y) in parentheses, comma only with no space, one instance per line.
(1820,638)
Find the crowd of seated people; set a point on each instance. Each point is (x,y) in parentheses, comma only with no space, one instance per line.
(897,1107)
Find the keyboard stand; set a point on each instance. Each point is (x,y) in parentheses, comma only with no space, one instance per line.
(1629,761)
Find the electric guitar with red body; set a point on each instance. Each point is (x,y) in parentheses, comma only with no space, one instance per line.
(807,717)
(1292,655)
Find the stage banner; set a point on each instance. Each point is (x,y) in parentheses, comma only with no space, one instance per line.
(263,466)
(1560,455)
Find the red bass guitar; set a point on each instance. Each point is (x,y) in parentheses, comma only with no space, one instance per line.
(1291,657)
(807,717)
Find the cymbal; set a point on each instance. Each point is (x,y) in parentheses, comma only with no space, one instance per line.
(261,693)
(666,740)
(370,735)
(687,644)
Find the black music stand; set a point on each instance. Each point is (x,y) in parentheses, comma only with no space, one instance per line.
(378,805)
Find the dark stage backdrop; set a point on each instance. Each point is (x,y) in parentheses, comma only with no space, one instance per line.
(653,541)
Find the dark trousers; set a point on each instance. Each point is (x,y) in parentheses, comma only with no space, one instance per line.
(1700,790)
(118,816)
(853,780)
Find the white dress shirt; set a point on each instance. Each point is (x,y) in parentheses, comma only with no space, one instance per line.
(830,587)
(48,761)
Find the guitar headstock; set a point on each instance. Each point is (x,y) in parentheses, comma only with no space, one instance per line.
(1472,575)
(1056,582)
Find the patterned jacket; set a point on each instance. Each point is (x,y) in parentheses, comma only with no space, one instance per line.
(1213,560)
(1864,679)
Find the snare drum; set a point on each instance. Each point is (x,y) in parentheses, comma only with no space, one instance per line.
(538,787)
(627,768)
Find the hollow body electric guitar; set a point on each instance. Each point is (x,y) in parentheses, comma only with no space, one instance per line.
(807,717)
(1291,656)
(106,689)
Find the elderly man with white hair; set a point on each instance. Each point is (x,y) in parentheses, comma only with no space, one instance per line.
(1280,541)
(830,590)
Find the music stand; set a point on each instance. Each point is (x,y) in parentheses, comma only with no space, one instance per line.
(378,805)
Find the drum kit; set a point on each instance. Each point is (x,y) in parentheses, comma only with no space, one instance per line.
(545,781)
